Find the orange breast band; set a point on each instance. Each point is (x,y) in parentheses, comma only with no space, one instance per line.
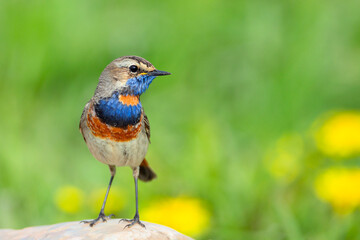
(117,134)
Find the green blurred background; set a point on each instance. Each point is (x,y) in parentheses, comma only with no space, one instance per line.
(245,74)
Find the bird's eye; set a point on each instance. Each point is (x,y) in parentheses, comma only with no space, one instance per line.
(133,68)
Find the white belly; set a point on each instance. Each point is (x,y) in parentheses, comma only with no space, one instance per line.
(130,153)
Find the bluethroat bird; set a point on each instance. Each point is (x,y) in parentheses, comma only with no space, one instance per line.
(114,124)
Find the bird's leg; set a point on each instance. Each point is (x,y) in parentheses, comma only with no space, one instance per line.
(136,218)
(102,215)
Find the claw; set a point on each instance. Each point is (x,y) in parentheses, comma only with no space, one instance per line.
(132,222)
(101,216)
(125,220)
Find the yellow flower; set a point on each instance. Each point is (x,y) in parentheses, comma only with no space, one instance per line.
(114,203)
(185,214)
(69,199)
(339,187)
(283,158)
(339,136)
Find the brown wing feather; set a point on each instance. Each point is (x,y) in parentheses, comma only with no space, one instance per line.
(81,131)
(146,173)
(82,119)
(147,126)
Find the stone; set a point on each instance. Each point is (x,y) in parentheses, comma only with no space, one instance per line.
(110,230)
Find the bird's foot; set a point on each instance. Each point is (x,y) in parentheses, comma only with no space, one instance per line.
(132,222)
(101,216)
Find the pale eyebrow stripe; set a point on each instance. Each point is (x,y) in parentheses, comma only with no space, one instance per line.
(126,63)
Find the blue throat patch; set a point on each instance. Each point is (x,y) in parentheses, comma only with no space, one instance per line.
(138,85)
(112,112)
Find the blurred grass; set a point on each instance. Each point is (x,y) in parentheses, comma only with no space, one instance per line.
(244,73)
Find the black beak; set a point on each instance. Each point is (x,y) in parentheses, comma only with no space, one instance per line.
(158,73)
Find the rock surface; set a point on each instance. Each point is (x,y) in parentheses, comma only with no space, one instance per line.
(109,230)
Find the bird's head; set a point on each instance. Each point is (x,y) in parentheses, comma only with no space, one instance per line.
(130,75)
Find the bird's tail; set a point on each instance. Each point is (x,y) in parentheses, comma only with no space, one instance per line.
(146,173)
